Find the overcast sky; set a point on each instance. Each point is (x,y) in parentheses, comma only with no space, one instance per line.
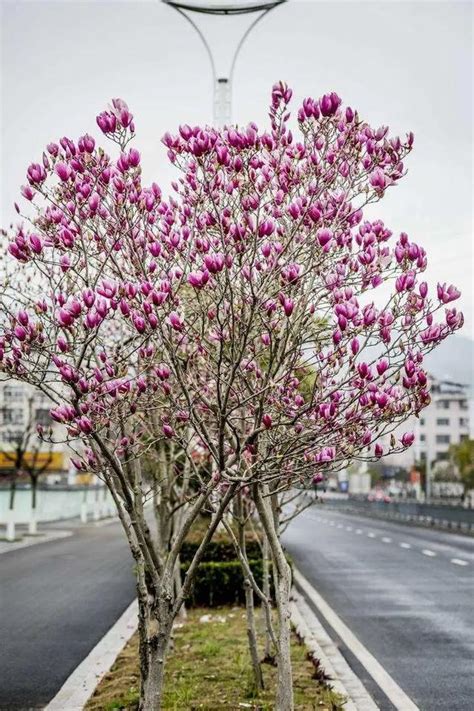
(405,64)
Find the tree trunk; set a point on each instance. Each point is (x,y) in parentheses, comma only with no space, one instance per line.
(252,636)
(178,584)
(282,576)
(155,628)
(266,592)
(12,493)
(284,697)
(32,526)
(34,489)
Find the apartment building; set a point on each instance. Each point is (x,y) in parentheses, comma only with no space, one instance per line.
(22,408)
(443,423)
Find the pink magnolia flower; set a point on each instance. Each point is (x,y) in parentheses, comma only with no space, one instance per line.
(63,171)
(445,295)
(36,174)
(175,321)
(407,439)
(168,431)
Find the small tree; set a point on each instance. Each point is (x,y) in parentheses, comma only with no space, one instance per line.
(462,455)
(29,454)
(233,321)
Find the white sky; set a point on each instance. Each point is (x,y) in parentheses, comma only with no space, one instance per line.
(405,64)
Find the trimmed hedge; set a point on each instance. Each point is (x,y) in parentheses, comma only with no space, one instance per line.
(219,551)
(221,582)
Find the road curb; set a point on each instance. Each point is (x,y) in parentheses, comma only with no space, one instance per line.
(80,686)
(26,541)
(400,700)
(342,679)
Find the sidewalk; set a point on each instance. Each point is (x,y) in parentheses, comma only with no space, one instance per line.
(24,540)
(47,532)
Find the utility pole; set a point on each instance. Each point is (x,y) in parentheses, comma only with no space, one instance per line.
(223,76)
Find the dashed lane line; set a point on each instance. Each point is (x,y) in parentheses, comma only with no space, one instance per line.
(407,546)
(459,561)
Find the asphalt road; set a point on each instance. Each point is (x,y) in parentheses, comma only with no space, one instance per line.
(57,600)
(407,593)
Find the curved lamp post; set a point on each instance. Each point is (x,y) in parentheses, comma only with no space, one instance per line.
(223,81)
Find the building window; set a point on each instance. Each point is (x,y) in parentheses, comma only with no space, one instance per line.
(463,437)
(463,422)
(442,404)
(12,436)
(13,392)
(442,421)
(43,417)
(463,405)
(443,439)
(422,438)
(12,416)
(422,421)
(441,456)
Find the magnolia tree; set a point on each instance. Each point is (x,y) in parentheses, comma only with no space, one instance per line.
(235,320)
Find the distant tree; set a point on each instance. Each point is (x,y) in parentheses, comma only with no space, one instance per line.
(28,454)
(462,455)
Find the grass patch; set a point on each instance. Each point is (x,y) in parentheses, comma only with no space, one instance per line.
(209,669)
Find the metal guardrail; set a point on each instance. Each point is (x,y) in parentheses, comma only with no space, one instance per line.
(444,516)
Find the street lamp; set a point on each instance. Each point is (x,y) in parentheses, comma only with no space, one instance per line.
(222,80)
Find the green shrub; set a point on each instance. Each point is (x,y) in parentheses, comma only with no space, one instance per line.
(219,551)
(220,582)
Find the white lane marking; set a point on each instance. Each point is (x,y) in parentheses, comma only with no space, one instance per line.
(331,523)
(348,528)
(405,545)
(359,531)
(459,561)
(386,539)
(339,525)
(395,693)
(430,554)
(371,535)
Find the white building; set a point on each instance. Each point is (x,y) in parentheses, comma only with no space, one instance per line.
(444,422)
(22,408)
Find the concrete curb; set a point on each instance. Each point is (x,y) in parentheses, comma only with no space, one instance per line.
(80,686)
(26,541)
(320,645)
